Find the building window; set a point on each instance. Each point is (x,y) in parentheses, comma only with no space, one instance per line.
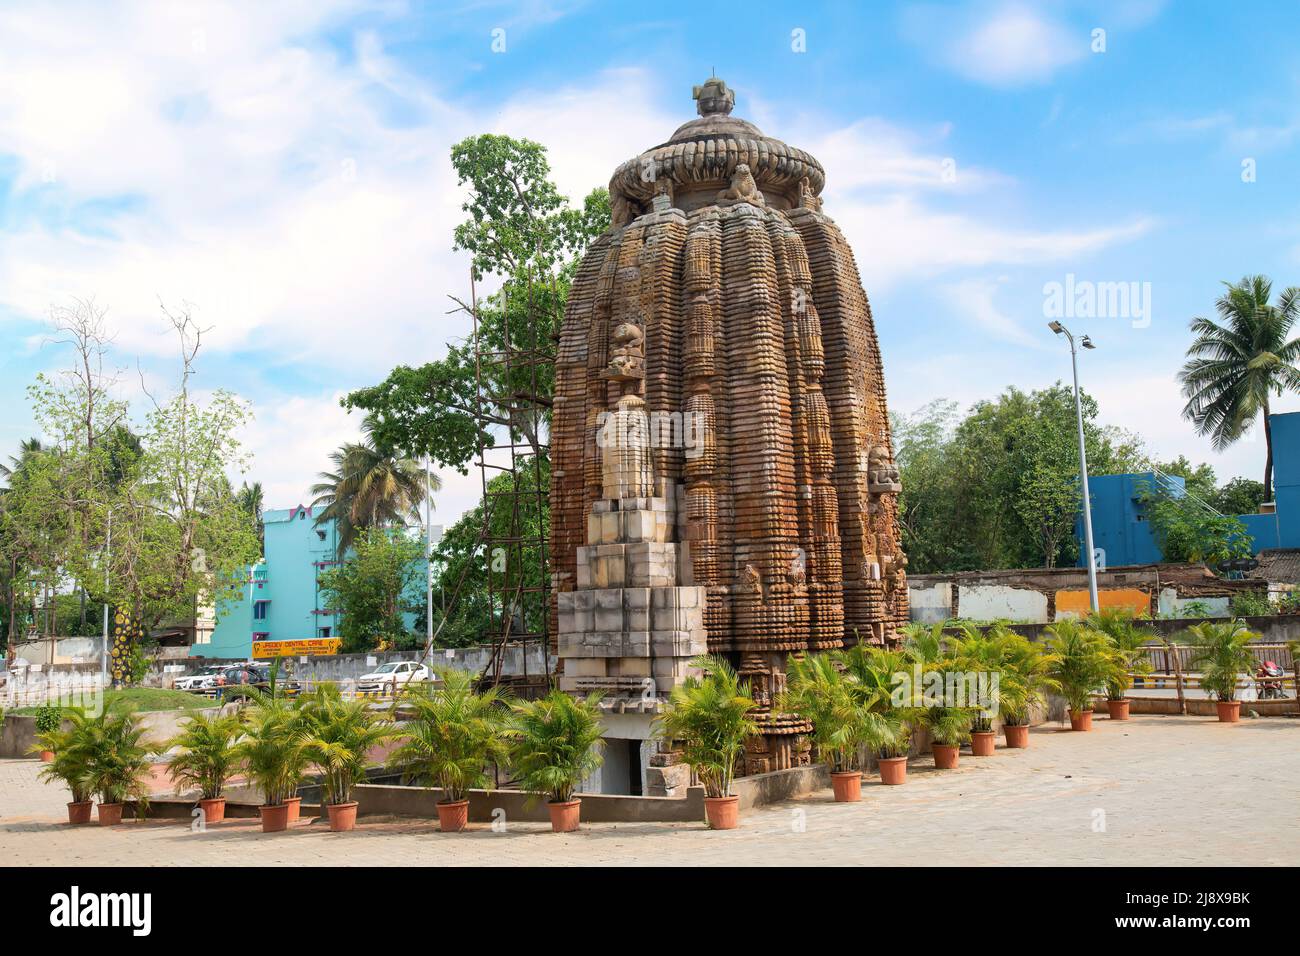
(321,535)
(259,610)
(322,632)
(261,635)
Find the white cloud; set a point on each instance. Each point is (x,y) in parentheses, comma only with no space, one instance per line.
(872,153)
(899,237)
(972,300)
(1015,44)
(243,167)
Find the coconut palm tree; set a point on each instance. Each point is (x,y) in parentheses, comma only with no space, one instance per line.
(251,500)
(372,485)
(1235,364)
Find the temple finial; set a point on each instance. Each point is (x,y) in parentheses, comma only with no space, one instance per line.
(713,97)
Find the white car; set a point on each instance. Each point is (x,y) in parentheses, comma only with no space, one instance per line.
(202,680)
(393,674)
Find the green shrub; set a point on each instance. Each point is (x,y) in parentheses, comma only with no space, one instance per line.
(1085,660)
(207,758)
(710,716)
(1251,604)
(337,737)
(1221,652)
(556,743)
(452,734)
(48,718)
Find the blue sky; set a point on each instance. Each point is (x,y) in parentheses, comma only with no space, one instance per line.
(285,169)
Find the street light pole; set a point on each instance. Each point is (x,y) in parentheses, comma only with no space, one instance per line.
(103,649)
(1086,342)
(428,561)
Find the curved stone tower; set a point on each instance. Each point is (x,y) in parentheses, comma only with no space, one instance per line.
(726,307)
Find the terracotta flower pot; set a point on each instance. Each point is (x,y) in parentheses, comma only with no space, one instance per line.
(1229,710)
(847,786)
(47,756)
(453,816)
(214,810)
(983,743)
(110,814)
(295,805)
(343,816)
(723,813)
(1118,709)
(945,756)
(1080,719)
(564,816)
(79,813)
(1017,735)
(893,770)
(274,819)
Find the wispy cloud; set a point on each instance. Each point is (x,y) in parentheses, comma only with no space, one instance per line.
(1011,44)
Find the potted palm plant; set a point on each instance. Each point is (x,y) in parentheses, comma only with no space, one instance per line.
(337,737)
(452,733)
(892,748)
(949,728)
(820,689)
(555,744)
(1026,679)
(70,764)
(875,670)
(48,719)
(206,760)
(949,721)
(1084,661)
(1127,641)
(271,753)
(710,717)
(982,652)
(117,761)
(1222,653)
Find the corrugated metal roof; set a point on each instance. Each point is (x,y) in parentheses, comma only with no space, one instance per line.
(1278,565)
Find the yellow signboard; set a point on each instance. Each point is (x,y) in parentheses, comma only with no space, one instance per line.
(315,646)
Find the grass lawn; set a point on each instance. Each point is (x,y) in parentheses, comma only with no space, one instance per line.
(147,699)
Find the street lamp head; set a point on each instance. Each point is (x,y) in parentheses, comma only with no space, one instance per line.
(1086,342)
(1056,327)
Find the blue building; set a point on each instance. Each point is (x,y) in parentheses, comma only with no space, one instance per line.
(1281,529)
(1119,520)
(282,598)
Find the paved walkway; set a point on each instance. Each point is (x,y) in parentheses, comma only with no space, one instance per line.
(1155,791)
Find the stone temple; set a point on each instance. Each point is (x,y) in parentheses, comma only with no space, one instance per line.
(722,472)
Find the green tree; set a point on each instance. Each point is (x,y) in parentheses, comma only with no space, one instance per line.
(1236,363)
(372,486)
(463,565)
(1199,480)
(1186,529)
(374,588)
(1240,496)
(520,229)
(252,501)
(999,488)
(179,538)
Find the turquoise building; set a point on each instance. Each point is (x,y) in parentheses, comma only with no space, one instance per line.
(282,599)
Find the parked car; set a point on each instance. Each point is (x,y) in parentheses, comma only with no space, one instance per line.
(202,679)
(253,675)
(394,674)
